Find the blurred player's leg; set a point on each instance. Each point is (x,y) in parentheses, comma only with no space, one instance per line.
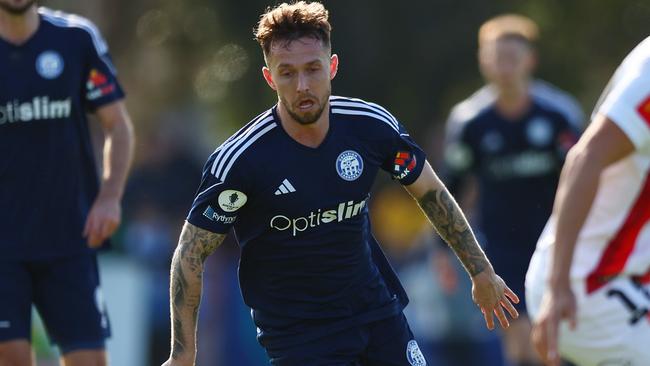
(84,358)
(16,353)
(517,343)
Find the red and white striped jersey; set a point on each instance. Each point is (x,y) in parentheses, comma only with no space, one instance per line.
(615,239)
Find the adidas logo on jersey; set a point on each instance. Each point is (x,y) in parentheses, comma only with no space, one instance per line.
(284,188)
(39,108)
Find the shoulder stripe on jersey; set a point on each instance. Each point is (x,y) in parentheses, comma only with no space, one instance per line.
(243,148)
(354,102)
(249,124)
(221,178)
(231,151)
(559,100)
(61,19)
(336,103)
(243,133)
(364,113)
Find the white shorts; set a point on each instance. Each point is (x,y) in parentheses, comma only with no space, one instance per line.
(613,322)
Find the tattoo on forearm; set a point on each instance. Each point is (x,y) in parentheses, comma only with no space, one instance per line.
(450,223)
(194,246)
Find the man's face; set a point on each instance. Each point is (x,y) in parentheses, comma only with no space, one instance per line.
(16,7)
(300,72)
(506,61)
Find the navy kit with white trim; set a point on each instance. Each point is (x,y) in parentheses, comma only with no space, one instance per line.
(309,264)
(48,180)
(47,166)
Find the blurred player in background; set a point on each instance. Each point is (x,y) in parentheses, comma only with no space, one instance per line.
(54,68)
(512,137)
(294,183)
(587,284)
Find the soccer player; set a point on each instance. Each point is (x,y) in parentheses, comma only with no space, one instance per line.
(55,67)
(587,285)
(512,137)
(294,183)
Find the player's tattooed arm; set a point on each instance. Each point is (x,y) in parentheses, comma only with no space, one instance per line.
(194,246)
(447,218)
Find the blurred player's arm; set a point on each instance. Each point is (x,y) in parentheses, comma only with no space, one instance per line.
(194,246)
(602,144)
(488,290)
(104,216)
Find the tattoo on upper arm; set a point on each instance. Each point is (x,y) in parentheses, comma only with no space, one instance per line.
(194,246)
(452,226)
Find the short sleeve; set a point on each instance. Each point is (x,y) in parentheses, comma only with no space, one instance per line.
(219,200)
(101,84)
(628,105)
(404,159)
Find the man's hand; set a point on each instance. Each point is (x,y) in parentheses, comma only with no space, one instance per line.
(103,219)
(490,293)
(556,305)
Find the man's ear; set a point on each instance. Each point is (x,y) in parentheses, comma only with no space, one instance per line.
(334,65)
(268,77)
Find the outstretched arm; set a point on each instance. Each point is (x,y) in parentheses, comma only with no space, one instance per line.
(194,246)
(602,144)
(488,290)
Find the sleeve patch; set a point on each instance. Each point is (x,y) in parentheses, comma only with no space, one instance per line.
(98,85)
(404,164)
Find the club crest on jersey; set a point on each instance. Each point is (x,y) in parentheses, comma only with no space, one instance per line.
(231,200)
(539,132)
(414,355)
(349,165)
(49,64)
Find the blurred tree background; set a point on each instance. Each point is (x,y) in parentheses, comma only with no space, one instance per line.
(418,58)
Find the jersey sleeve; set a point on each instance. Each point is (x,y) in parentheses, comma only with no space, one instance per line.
(404,159)
(628,105)
(219,199)
(101,84)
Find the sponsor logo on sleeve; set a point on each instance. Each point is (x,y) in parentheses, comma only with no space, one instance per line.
(98,85)
(231,200)
(49,64)
(349,165)
(403,164)
(212,215)
(644,110)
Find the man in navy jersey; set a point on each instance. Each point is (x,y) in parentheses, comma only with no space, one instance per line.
(512,136)
(54,68)
(294,183)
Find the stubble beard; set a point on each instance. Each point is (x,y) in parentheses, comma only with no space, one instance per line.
(16,10)
(309,118)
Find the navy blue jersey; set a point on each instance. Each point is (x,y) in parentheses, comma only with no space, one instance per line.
(309,264)
(517,163)
(48,178)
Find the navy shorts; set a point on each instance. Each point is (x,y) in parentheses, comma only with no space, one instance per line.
(66,294)
(387,342)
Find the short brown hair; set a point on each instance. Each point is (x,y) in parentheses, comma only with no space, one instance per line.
(508,25)
(288,22)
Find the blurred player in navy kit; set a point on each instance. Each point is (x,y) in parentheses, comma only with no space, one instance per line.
(294,183)
(512,136)
(54,68)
